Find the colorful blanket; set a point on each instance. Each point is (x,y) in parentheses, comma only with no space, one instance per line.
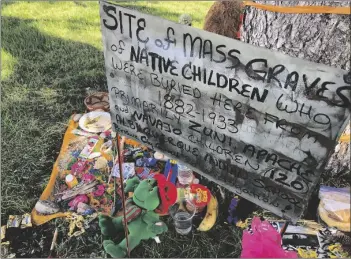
(100,199)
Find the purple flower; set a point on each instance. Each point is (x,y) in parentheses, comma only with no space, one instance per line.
(232,218)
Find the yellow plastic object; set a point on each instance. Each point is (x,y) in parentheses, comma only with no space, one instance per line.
(76,221)
(338,251)
(243,224)
(300,9)
(327,217)
(334,207)
(303,253)
(345,138)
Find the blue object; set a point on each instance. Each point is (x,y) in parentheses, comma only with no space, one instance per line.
(148,162)
(171,172)
(88,212)
(118,205)
(232,217)
(94,171)
(139,162)
(76,153)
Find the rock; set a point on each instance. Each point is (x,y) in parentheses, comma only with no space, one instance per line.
(46,207)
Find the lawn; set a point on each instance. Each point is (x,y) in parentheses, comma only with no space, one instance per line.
(51,57)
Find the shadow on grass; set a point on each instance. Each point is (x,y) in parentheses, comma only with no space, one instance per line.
(47,85)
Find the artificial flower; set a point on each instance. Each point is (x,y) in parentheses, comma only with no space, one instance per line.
(100,190)
(88,177)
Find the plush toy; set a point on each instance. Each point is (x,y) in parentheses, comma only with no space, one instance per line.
(143,223)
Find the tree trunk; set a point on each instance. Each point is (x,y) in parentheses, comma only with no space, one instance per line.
(320,38)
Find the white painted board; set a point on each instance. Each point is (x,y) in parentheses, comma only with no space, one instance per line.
(255,121)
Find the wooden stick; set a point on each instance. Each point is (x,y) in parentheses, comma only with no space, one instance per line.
(53,242)
(120,157)
(284,228)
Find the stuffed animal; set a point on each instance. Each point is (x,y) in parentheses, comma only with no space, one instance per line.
(143,223)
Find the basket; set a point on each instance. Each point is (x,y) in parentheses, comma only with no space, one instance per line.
(98,100)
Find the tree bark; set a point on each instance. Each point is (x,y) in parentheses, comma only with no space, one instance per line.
(320,38)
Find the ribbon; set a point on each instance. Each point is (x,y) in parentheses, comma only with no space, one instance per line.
(300,9)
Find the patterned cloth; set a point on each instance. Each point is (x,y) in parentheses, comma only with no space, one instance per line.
(132,211)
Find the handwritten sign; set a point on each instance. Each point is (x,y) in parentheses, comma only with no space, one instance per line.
(257,122)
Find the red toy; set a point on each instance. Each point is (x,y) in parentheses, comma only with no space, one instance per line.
(167,192)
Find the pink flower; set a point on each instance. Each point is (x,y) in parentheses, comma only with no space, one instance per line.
(100,190)
(88,177)
(79,198)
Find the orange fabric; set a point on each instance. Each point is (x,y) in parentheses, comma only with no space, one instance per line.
(38,219)
(300,9)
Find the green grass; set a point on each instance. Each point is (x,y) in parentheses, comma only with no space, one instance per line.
(51,56)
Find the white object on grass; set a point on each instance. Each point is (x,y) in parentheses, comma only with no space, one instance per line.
(185,19)
(157,239)
(95,122)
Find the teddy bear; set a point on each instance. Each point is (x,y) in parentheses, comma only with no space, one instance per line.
(142,214)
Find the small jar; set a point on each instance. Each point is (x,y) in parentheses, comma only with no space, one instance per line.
(71,180)
(185,175)
(198,208)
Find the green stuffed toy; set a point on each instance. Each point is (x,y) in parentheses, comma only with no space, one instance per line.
(143,222)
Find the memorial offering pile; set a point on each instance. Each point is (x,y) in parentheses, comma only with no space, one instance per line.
(86,172)
(82,170)
(82,186)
